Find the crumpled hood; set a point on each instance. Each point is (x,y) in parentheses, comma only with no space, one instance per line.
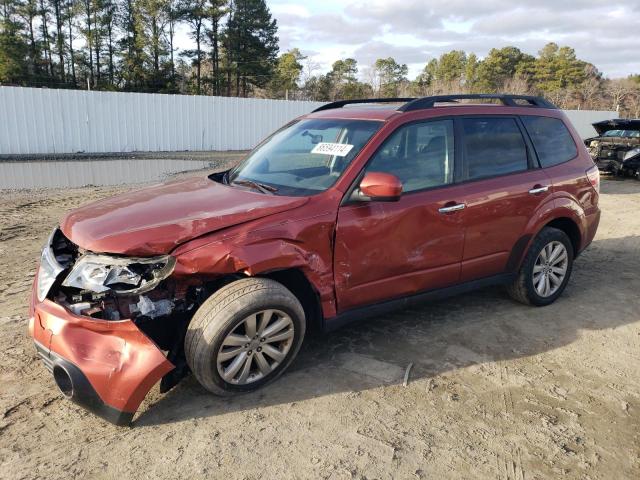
(154,220)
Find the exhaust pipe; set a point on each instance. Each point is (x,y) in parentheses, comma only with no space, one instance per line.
(63,380)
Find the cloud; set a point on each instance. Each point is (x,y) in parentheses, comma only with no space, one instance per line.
(413,31)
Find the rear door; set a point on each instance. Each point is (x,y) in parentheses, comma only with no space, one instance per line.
(385,250)
(504,187)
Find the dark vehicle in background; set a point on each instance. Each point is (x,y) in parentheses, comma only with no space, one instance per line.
(616,149)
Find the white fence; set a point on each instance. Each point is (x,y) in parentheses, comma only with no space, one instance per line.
(43,121)
(583,120)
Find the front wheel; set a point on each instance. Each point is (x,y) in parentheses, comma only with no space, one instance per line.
(244,336)
(546,269)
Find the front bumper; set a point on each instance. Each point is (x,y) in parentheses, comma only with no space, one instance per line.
(107,367)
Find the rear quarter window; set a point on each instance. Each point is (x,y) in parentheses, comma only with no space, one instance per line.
(551,139)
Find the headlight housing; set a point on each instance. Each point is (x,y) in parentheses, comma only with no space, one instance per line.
(631,154)
(48,271)
(130,275)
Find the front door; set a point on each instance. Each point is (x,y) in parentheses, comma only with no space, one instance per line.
(385,250)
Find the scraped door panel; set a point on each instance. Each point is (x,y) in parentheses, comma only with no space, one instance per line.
(386,250)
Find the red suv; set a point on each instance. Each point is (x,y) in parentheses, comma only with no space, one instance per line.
(353,210)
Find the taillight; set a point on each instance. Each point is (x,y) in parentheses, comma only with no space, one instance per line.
(593,174)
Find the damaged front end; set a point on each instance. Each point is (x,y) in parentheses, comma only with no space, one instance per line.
(616,149)
(110,327)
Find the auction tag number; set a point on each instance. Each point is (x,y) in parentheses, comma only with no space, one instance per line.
(337,149)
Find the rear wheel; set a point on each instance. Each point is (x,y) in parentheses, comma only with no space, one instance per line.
(244,336)
(546,269)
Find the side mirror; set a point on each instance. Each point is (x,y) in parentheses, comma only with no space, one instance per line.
(379,187)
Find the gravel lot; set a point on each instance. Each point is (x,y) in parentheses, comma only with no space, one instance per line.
(497,390)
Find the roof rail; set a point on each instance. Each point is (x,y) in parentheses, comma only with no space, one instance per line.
(342,103)
(508,100)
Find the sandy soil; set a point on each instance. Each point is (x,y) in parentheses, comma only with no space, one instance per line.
(497,390)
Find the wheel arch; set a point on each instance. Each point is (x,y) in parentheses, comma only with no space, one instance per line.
(568,226)
(297,282)
(564,223)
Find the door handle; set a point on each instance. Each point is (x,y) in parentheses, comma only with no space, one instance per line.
(452,208)
(538,189)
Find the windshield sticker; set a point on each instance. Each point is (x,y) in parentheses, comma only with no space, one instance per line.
(337,149)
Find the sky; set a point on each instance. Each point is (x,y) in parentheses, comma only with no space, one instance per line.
(605,33)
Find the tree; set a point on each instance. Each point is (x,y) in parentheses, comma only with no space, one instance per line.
(390,76)
(89,34)
(28,12)
(44,22)
(13,48)
(557,68)
(108,24)
(344,81)
(194,12)
(153,17)
(449,67)
(132,56)
(500,65)
(251,44)
(319,88)
(71,11)
(58,15)
(216,9)
(471,72)
(287,73)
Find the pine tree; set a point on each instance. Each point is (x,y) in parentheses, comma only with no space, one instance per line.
(216,9)
(13,48)
(252,44)
(194,13)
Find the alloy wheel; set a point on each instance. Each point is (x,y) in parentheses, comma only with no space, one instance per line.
(255,347)
(550,269)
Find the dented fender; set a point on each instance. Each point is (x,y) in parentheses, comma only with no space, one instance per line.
(304,244)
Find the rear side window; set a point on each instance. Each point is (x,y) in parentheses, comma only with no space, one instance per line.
(492,147)
(551,139)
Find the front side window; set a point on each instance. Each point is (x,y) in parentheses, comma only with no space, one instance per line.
(420,154)
(551,139)
(492,147)
(304,158)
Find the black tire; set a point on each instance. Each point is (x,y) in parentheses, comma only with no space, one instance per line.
(522,289)
(221,313)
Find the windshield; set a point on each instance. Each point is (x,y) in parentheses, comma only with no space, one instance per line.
(622,133)
(304,158)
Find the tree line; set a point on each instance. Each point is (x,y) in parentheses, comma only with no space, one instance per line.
(555,73)
(130,45)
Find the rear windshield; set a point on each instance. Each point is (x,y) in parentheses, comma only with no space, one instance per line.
(306,157)
(551,139)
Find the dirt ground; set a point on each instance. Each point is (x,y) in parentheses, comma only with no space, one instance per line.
(497,389)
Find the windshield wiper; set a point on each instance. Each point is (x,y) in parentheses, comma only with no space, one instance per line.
(267,189)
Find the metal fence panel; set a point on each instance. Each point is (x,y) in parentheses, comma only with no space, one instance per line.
(582,120)
(44,121)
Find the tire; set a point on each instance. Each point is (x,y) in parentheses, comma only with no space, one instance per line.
(220,328)
(523,289)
